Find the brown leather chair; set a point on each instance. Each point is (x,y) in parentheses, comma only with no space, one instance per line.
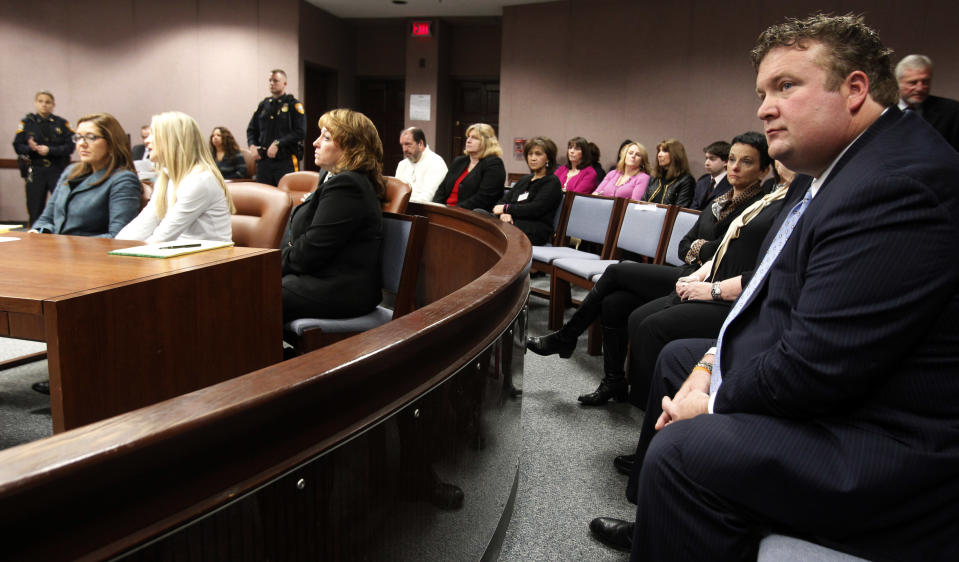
(298,184)
(261,214)
(250,164)
(397,195)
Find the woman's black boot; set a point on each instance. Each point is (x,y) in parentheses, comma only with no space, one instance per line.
(563,341)
(614,382)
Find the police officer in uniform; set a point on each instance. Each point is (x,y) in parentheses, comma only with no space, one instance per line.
(44,143)
(276,132)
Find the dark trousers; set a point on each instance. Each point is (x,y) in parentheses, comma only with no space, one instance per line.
(659,322)
(628,285)
(41,181)
(270,170)
(713,486)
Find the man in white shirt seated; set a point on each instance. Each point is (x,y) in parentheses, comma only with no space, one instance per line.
(422,168)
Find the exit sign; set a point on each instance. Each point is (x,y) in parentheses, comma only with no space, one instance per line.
(421,29)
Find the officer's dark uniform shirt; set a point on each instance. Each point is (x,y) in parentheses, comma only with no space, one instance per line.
(42,171)
(53,131)
(280,119)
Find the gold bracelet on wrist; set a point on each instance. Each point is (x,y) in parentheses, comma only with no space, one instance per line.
(707,366)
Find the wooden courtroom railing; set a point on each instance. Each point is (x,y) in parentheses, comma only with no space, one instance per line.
(333,455)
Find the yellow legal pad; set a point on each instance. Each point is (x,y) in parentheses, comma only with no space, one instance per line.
(171,249)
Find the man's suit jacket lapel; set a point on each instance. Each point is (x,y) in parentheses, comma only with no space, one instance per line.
(799,187)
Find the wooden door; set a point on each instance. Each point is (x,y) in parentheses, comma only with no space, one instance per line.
(382,100)
(474,101)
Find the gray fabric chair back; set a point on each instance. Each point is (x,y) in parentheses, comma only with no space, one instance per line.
(589,218)
(642,228)
(685,219)
(396,235)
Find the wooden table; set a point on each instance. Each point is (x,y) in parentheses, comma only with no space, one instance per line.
(124,332)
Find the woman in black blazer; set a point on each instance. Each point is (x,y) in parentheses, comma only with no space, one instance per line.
(531,204)
(476,179)
(331,250)
(672,184)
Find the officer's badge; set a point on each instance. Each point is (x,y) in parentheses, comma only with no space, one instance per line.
(58,130)
(20,128)
(285,108)
(299,108)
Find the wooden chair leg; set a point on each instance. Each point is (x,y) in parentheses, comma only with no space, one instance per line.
(594,341)
(559,297)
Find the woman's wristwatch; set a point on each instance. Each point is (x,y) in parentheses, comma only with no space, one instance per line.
(716,292)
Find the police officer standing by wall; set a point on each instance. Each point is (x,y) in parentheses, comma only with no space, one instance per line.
(276,132)
(44,143)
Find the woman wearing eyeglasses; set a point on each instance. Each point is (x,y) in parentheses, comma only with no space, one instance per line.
(99,195)
(190,200)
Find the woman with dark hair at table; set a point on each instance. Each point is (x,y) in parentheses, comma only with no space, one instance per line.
(331,250)
(531,204)
(227,155)
(577,174)
(626,286)
(672,184)
(476,179)
(100,194)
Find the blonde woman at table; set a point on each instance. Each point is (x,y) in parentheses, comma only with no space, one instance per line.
(190,199)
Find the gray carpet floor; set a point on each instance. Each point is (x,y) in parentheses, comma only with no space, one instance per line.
(24,414)
(566,472)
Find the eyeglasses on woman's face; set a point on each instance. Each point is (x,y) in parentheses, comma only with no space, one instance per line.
(89,137)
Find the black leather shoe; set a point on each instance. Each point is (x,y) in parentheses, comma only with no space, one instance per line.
(613,532)
(551,344)
(41,387)
(445,496)
(624,463)
(609,388)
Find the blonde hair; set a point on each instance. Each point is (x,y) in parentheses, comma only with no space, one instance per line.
(180,148)
(487,137)
(356,135)
(643,166)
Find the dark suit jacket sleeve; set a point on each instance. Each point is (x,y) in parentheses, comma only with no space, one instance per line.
(338,212)
(876,269)
(492,179)
(125,189)
(541,203)
(45,220)
(684,192)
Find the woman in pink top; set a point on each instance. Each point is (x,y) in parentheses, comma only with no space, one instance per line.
(630,178)
(577,175)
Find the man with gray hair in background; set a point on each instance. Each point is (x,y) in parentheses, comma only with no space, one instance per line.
(914,73)
(422,168)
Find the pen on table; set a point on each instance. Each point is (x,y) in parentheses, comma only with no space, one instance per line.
(180,246)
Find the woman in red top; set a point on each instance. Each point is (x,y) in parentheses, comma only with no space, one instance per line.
(476,179)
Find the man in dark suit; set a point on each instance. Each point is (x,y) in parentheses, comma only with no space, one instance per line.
(914,73)
(829,406)
(713,183)
(139,151)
